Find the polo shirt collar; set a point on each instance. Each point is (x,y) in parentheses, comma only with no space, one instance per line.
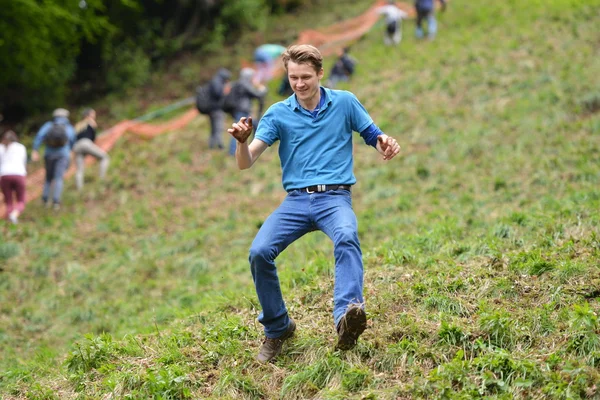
(292,101)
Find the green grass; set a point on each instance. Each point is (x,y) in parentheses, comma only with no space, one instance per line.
(480,242)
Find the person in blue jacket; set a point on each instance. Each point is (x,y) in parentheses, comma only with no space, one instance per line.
(426,11)
(58,136)
(264,59)
(314,129)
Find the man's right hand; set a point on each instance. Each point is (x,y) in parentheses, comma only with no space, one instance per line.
(241,130)
(35,156)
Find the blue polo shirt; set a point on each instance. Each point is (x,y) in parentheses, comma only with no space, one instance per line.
(316,148)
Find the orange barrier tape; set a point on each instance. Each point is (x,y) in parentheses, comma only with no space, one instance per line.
(329,40)
(332,39)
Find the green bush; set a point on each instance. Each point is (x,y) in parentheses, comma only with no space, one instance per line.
(127,66)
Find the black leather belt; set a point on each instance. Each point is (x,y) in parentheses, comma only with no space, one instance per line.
(323,188)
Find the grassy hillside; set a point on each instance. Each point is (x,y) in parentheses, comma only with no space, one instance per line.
(481,241)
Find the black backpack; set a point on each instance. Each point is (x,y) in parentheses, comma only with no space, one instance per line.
(56,136)
(203,99)
(231,100)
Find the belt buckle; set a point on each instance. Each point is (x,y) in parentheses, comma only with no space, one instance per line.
(320,189)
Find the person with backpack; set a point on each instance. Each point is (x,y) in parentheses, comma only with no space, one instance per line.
(209,101)
(85,145)
(393,20)
(426,11)
(238,103)
(13,169)
(58,137)
(342,69)
(314,129)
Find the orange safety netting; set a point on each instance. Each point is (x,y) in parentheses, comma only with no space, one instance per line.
(329,40)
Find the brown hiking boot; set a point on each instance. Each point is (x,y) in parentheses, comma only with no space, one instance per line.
(272,347)
(351,326)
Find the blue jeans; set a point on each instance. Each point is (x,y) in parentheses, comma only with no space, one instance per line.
(431,23)
(217,123)
(56,165)
(301,212)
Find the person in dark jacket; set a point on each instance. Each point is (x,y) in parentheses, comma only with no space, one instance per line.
(426,11)
(342,69)
(219,87)
(85,144)
(243,91)
(57,155)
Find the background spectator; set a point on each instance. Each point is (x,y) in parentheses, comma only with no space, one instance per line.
(342,69)
(85,145)
(264,58)
(13,162)
(218,88)
(58,136)
(393,22)
(426,11)
(239,100)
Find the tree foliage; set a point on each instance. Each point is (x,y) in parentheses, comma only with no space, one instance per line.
(47,45)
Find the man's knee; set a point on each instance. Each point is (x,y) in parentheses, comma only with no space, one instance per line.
(347,236)
(260,253)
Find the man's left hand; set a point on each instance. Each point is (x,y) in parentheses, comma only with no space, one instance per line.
(387,146)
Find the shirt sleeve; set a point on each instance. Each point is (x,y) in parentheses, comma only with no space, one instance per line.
(359,117)
(39,138)
(370,134)
(267,129)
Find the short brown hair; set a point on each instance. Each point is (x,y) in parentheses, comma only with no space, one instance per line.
(303,54)
(10,136)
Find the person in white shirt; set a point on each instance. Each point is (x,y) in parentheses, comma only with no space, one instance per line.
(13,162)
(393,21)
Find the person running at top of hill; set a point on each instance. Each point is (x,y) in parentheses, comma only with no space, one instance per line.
(314,128)
(13,169)
(85,145)
(58,136)
(426,11)
(264,59)
(393,22)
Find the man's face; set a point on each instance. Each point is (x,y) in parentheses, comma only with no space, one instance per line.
(304,80)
